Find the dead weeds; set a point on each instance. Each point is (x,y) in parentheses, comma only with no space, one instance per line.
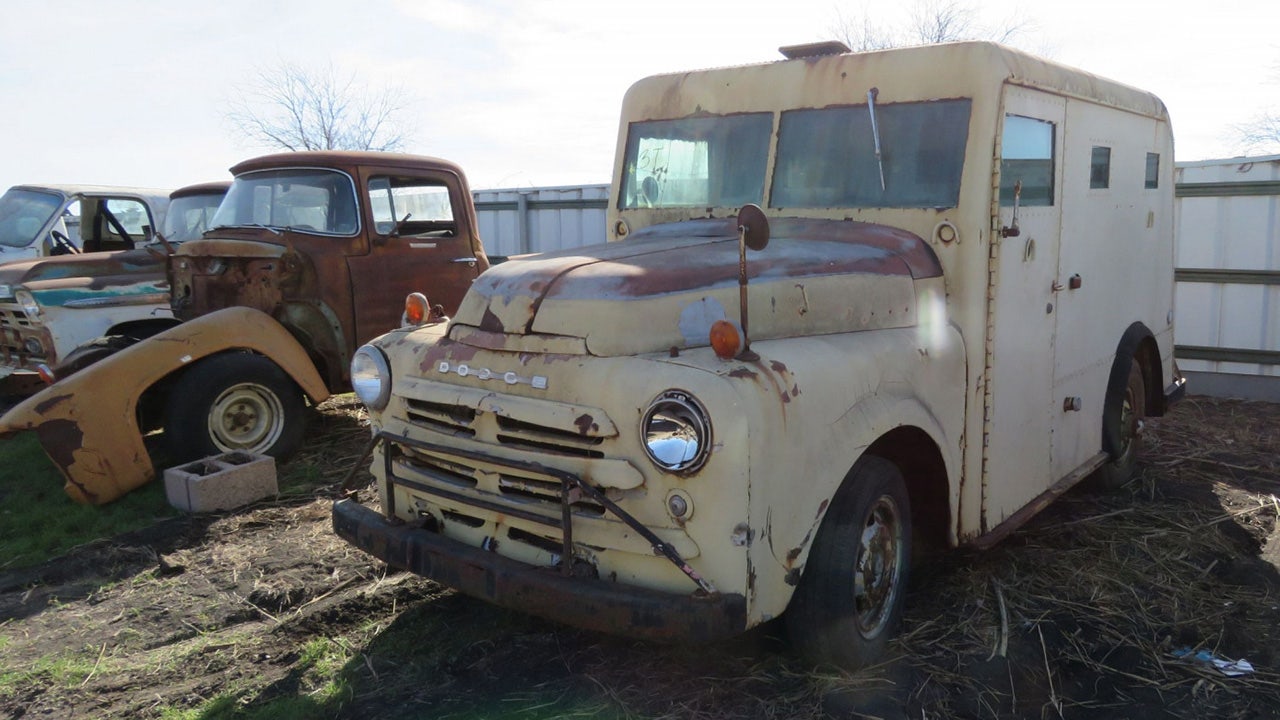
(1094,610)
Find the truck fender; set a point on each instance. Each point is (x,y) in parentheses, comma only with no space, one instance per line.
(88,423)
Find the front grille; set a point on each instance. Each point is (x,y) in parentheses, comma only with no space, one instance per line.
(524,488)
(14,323)
(462,421)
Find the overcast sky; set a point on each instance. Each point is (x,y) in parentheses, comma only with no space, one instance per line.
(522,92)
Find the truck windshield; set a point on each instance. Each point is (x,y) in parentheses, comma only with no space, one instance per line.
(23,213)
(304,199)
(189,216)
(715,161)
(827,157)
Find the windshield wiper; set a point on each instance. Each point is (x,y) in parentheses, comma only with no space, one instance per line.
(273,229)
(875,131)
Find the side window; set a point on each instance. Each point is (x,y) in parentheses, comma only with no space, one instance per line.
(1100,168)
(1153,171)
(131,214)
(1027,158)
(417,206)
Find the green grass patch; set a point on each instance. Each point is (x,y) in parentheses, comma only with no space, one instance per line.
(67,670)
(37,519)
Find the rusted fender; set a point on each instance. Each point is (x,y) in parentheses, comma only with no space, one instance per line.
(88,423)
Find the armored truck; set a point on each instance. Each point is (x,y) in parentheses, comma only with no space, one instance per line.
(859,306)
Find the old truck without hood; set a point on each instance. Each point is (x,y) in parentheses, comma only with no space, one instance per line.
(310,255)
(957,302)
(59,312)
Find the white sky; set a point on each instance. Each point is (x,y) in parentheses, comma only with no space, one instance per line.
(522,92)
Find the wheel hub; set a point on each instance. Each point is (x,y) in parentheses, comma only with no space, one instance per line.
(879,563)
(246,417)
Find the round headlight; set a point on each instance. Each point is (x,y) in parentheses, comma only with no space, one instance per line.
(371,377)
(676,432)
(28,303)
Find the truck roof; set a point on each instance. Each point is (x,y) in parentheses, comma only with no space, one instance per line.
(204,188)
(151,194)
(342,158)
(975,69)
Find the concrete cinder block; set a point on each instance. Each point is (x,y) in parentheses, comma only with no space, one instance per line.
(221,482)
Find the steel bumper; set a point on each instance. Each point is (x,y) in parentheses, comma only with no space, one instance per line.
(588,603)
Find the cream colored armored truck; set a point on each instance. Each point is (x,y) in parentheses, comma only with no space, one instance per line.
(859,305)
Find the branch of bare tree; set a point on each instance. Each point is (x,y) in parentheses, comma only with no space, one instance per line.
(296,108)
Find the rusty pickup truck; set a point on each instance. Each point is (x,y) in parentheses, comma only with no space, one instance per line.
(310,255)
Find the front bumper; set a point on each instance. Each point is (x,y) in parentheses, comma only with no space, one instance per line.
(588,603)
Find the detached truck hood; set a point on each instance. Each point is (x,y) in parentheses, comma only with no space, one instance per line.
(88,277)
(664,286)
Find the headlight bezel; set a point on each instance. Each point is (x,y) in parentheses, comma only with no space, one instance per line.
(27,302)
(371,358)
(668,447)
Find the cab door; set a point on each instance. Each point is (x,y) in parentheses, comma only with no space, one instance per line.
(419,242)
(1024,266)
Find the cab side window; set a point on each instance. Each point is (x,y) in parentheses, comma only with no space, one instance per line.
(1027,157)
(411,207)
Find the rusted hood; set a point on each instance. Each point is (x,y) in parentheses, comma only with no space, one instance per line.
(665,285)
(99,265)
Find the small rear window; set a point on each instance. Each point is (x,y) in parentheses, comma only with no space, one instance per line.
(1100,168)
(1153,171)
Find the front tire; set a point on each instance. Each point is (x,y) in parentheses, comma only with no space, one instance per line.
(849,602)
(234,402)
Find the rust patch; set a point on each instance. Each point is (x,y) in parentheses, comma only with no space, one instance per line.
(795,390)
(586,424)
(743,372)
(44,407)
(60,439)
(777,366)
(490,322)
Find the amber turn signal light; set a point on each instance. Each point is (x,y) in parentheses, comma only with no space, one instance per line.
(416,309)
(725,339)
(46,374)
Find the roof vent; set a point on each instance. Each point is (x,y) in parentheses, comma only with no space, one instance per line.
(816,49)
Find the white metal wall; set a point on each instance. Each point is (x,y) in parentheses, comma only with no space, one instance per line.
(1228,260)
(523,220)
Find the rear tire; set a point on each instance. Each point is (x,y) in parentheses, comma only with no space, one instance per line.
(849,602)
(234,402)
(1122,430)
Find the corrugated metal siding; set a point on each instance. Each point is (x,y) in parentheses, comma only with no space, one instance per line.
(1228,260)
(522,220)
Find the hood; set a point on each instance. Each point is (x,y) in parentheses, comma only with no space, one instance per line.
(664,286)
(87,270)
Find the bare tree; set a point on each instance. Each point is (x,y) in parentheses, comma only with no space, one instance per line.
(298,108)
(929,22)
(1261,135)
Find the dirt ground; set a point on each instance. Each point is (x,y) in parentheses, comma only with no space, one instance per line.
(1094,610)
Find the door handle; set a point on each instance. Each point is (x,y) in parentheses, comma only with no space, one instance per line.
(467,260)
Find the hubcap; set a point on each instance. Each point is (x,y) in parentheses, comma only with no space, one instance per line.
(246,417)
(879,565)
(1130,422)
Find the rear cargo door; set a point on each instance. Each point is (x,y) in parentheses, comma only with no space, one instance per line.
(417,245)
(1019,398)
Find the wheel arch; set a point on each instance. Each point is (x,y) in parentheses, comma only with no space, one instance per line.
(1137,343)
(924,471)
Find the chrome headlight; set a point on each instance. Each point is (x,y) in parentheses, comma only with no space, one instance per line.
(6,292)
(371,377)
(28,303)
(676,432)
